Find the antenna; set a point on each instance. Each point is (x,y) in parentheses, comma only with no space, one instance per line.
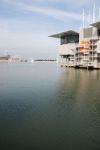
(83,18)
(89,19)
(93,13)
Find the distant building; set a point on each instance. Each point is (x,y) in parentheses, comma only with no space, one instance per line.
(4,58)
(14,59)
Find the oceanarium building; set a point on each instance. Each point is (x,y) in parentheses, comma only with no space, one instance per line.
(80,50)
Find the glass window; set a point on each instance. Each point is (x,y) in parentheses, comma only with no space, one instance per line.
(99,32)
(69,39)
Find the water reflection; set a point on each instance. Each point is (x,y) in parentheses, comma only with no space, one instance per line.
(79,96)
(45,107)
(82,85)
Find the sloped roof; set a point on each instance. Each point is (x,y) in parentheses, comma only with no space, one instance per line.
(96,24)
(66,33)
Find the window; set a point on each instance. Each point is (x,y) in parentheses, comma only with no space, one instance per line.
(99,32)
(69,39)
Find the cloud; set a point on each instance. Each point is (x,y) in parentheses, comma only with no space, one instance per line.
(62,15)
(23,34)
(28,45)
(54,13)
(17,39)
(52,1)
(78,3)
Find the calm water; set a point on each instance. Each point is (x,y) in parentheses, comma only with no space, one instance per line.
(46,107)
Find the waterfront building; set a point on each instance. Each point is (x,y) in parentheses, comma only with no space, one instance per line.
(15,59)
(68,43)
(81,50)
(4,58)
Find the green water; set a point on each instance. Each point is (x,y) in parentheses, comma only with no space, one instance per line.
(44,107)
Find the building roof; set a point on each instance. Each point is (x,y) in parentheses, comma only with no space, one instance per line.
(66,33)
(96,24)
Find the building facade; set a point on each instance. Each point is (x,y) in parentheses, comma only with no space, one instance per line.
(80,49)
(68,43)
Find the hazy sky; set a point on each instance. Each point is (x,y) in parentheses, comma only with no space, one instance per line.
(26,24)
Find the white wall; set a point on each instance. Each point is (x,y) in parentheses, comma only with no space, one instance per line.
(98,46)
(93,30)
(66,49)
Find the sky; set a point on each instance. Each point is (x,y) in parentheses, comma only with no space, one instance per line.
(26,24)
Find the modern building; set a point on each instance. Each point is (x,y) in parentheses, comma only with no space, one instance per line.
(68,43)
(81,50)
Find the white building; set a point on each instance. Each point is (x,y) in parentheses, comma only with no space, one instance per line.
(68,43)
(80,49)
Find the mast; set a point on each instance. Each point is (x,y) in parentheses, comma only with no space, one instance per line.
(83,18)
(93,13)
(92,30)
(89,19)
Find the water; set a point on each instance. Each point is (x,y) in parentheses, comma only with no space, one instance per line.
(46,107)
